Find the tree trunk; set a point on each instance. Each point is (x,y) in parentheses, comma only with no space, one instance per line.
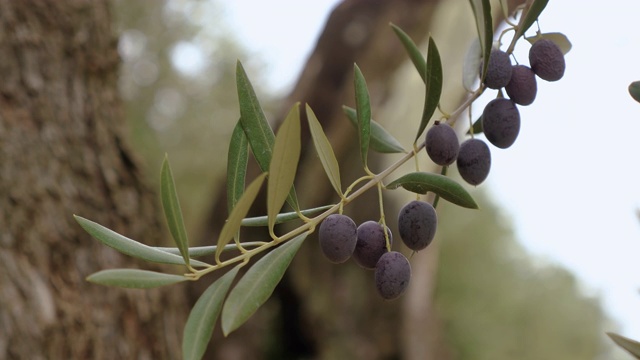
(62,152)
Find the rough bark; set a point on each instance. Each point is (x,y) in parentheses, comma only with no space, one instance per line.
(62,152)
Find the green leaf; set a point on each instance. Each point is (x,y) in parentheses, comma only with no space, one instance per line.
(380,141)
(634,90)
(324,150)
(414,53)
(133,278)
(632,346)
(471,64)
(232,225)
(504,5)
(531,16)
(236,165)
(477,127)
(434,85)
(197,251)
(172,212)
(253,120)
(257,285)
(256,127)
(131,247)
(282,171)
(559,39)
(363,110)
(283,217)
(484,24)
(203,317)
(422,182)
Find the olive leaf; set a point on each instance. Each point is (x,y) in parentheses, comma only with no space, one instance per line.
(283,217)
(324,150)
(484,24)
(381,140)
(433,74)
(255,126)
(237,158)
(172,211)
(131,247)
(363,109)
(203,317)
(134,278)
(634,90)
(284,163)
(233,223)
(414,53)
(446,188)
(530,16)
(257,285)
(632,346)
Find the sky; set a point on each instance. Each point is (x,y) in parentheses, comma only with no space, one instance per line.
(570,183)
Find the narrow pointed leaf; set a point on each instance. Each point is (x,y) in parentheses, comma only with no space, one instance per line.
(632,346)
(256,127)
(477,126)
(172,211)
(131,247)
(484,24)
(380,141)
(559,39)
(363,109)
(203,317)
(257,285)
(236,165)
(283,217)
(434,85)
(422,182)
(197,251)
(232,225)
(414,53)
(471,64)
(134,278)
(531,16)
(284,164)
(324,150)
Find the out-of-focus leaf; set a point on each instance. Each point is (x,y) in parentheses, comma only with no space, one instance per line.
(363,109)
(282,171)
(203,317)
(134,278)
(232,225)
(172,211)
(257,285)
(434,85)
(477,126)
(422,182)
(471,65)
(634,90)
(324,150)
(283,217)
(504,5)
(198,251)
(632,346)
(256,127)
(484,24)
(531,16)
(131,247)
(559,39)
(414,53)
(236,165)
(380,141)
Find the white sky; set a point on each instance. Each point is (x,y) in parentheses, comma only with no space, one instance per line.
(571,182)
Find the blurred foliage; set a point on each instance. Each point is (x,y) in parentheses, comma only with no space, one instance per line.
(178,83)
(498,302)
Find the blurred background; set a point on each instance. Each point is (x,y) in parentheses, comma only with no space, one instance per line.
(541,271)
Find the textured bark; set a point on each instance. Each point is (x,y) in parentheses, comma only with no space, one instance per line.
(62,152)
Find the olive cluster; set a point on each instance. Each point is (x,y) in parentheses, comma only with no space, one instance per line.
(340,240)
(500,118)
